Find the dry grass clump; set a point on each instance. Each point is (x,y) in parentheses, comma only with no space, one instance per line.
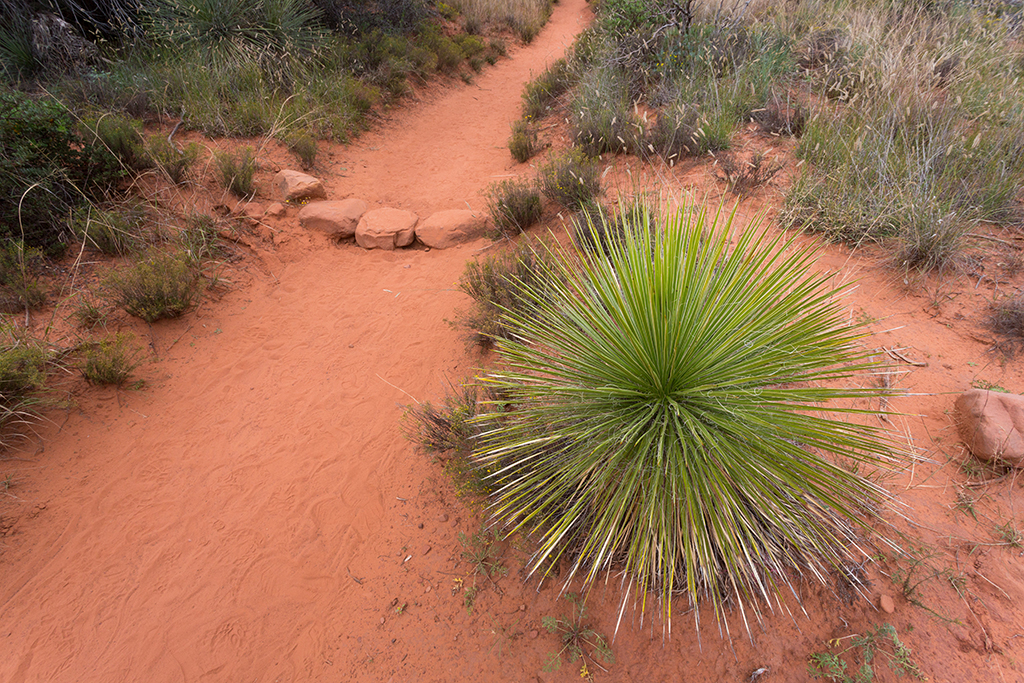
(571,179)
(175,163)
(304,147)
(744,177)
(1007,319)
(928,142)
(525,18)
(119,231)
(237,172)
(523,143)
(497,285)
(602,115)
(542,92)
(514,206)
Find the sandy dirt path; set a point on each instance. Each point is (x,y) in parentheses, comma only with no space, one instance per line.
(209,524)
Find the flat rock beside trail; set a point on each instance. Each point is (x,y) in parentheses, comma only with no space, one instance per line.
(339,219)
(386,229)
(291,185)
(446,229)
(991,424)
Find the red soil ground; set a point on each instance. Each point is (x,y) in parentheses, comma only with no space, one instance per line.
(255,514)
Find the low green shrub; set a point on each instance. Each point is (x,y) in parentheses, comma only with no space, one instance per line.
(117,232)
(24,364)
(112,360)
(176,164)
(120,137)
(523,142)
(449,54)
(157,286)
(237,172)
(514,206)
(570,179)
(304,147)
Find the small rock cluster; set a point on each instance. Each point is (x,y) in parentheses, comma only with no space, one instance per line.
(384,228)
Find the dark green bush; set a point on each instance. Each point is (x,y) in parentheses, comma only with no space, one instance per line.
(41,158)
(158,286)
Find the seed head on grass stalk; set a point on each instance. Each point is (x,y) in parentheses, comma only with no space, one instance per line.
(668,418)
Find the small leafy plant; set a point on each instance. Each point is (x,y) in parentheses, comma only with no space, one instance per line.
(882,641)
(111,361)
(481,552)
(157,286)
(578,641)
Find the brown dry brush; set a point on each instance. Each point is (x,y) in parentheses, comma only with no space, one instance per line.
(745,177)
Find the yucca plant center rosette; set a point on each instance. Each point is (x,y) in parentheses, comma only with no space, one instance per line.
(670,408)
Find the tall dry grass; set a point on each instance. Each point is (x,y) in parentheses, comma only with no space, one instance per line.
(523,17)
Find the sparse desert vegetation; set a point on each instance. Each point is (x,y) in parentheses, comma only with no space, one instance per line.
(689,358)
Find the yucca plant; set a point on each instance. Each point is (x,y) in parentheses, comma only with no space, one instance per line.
(667,410)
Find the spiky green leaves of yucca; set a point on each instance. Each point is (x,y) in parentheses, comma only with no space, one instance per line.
(663,411)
